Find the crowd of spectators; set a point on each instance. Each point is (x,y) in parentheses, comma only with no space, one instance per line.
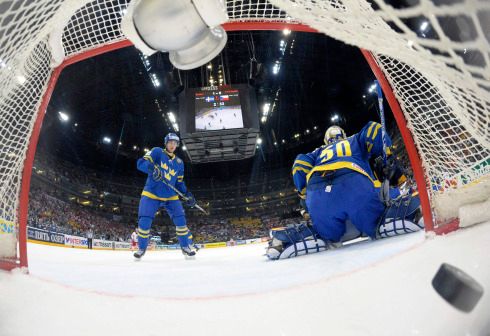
(52,214)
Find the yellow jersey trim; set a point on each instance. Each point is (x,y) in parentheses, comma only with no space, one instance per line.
(370,129)
(304,163)
(339,165)
(148,158)
(155,197)
(306,170)
(378,126)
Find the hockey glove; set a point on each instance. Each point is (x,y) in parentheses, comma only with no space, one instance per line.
(191,201)
(157,173)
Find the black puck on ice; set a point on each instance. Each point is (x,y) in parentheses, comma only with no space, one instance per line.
(457,288)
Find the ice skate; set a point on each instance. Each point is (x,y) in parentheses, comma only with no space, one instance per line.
(138,254)
(188,253)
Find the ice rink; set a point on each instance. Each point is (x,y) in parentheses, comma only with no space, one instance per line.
(371,288)
(220,118)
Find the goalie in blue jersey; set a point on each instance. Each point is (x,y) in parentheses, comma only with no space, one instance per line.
(164,168)
(339,190)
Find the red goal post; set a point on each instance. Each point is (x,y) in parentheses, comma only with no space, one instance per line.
(333,18)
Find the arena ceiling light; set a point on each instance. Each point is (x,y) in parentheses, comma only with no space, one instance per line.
(171,117)
(106,140)
(63,116)
(259,141)
(189,30)
(334,118)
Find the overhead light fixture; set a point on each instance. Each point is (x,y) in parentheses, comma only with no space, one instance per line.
(135,147)
(119,143)
(424,26)
(106,140)
(334,118)
(171,117)
(286,32)
(145,149)
(263,119)
(184,148)
(276,67)
(266,108)
(189,30)
(372,88)
(63,116)
(259,141)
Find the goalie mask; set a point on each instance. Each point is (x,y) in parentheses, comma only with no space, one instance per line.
(334,134)
(170,137)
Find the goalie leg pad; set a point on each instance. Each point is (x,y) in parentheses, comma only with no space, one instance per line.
(294,241)
(401,217)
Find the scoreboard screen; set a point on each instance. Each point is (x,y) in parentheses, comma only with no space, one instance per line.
(218,110)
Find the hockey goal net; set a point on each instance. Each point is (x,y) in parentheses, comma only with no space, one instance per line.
(433,58)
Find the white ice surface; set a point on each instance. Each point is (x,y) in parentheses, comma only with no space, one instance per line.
(372,288)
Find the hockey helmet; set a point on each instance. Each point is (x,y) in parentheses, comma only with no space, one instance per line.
(172,136)
(334,134)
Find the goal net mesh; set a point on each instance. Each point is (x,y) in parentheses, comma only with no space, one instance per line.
(439,71)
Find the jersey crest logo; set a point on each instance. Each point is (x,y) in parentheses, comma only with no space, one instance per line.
(164,166)
(172,172)
(167,176)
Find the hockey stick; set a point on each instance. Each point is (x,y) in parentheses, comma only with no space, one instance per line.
(382,118)
(385,187)
(181,194)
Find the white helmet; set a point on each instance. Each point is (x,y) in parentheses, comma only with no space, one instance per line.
(334,134)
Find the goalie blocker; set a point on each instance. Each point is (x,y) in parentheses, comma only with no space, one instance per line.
(402,216)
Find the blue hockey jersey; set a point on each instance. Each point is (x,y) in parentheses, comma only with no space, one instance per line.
(352,153)
(173,168)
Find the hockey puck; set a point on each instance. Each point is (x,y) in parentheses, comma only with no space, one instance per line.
(457,288)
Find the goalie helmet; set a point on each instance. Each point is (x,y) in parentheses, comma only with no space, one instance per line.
(172,136)
(334,134)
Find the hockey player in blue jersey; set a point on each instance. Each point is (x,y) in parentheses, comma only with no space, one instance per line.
(163,165)
(338,187)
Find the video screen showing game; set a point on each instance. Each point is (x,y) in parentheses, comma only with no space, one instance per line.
(218,110)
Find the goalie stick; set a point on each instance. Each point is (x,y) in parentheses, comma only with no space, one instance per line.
(382,118)
(385,187)
(181,195)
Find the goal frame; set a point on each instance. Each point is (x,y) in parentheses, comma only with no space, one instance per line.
(415,161)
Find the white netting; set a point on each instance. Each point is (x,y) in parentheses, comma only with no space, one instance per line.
(442,80)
